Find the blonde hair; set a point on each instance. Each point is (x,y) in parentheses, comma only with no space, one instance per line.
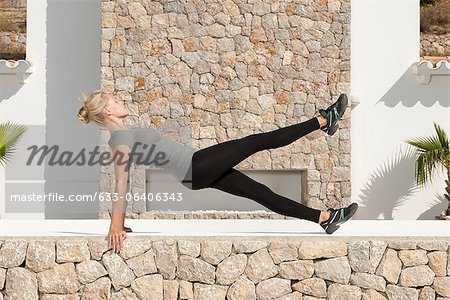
(92,108)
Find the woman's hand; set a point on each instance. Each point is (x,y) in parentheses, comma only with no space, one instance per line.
(116,236)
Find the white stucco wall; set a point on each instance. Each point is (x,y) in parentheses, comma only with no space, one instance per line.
(65,53)
(27,105)
(393,107)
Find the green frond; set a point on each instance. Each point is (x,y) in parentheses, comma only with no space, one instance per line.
(431,152)
(10,134)
(445,144)
(442,136)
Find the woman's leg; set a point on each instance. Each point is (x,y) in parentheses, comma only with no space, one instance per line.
(208,164)
(237,183)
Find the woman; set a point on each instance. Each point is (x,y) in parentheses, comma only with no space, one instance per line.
(211,167)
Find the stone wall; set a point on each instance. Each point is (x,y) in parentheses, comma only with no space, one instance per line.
(434,45)
(13,29)
(12,44)
(225,268)
(204,72)
(11,4)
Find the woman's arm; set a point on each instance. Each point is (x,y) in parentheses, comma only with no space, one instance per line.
(119,203)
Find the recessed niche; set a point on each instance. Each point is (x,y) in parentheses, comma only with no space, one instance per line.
(164,193)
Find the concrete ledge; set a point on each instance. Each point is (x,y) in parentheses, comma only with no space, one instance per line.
(229,228)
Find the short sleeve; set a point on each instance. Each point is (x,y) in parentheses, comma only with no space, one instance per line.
(121,137)
(149,135)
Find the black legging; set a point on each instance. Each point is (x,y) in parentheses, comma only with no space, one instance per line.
(213,167)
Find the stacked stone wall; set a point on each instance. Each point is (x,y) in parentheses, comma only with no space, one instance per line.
(225,268)
(204,72)
(434,45)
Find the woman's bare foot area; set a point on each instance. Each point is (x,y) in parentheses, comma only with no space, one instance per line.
(324,215)
(322,121)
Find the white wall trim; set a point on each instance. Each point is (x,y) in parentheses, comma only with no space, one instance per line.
(19,68)
(425,70)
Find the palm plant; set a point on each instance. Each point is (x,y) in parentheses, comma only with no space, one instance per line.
(10,134)
(432,152)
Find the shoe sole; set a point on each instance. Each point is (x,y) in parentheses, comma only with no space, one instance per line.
(334,227)
(344,103)
(344,99)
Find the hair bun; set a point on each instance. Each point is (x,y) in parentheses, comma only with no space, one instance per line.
(83,115)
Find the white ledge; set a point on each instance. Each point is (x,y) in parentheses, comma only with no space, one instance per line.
(19,68)
(220,227)
(425,70)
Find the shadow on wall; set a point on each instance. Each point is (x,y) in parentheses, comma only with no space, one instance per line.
(436,207)
(73,66)
(409,91)
(9,86)
(388,187)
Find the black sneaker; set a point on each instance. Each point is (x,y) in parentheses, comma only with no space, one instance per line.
(338,217)
(333,114)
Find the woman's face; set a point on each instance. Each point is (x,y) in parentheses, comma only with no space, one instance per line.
(116,107)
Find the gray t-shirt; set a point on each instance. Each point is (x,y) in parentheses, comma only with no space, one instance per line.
(171,156)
